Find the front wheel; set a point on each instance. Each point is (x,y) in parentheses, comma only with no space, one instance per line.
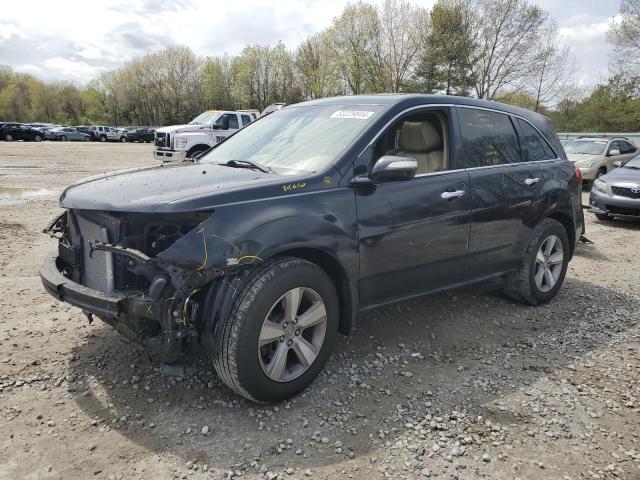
(63,138)
(8,137)
(103,139)
(280,331)
(86,139)
(544,266)
(123,139)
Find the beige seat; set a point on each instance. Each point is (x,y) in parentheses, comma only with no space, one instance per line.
(420,140)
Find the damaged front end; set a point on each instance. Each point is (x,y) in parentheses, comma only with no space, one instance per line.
(142,273)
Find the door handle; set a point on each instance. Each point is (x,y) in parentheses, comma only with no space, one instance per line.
(452,195)
(531,181)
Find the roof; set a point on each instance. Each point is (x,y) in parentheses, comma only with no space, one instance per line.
(412,99)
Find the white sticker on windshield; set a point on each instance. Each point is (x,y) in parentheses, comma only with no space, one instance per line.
(359,114)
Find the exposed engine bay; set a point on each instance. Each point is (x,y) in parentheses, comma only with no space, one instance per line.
(120,256)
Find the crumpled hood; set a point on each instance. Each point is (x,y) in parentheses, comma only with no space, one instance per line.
(150,189)
(173,129)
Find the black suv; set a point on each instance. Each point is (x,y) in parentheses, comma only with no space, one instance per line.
(270,244)
(141,135)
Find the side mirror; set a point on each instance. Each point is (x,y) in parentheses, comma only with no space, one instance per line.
(389,168)
(618,163)
(614,153)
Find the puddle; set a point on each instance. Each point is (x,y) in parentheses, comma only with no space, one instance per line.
(13,195)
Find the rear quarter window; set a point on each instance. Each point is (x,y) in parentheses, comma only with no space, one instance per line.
(534,146)
(488,138)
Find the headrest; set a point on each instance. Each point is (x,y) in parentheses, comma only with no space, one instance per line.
(418,136)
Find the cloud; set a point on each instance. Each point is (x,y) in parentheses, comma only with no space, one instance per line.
(64,40)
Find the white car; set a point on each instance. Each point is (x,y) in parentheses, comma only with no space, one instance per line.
(179,142)
(596,156)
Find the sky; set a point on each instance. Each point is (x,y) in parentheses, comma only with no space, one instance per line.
(78,40)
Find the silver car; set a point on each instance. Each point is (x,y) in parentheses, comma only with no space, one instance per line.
(596,156)
(68,134)
(617,194)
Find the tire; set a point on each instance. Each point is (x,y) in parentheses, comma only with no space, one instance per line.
(193,153)
(246,367)
(103,139)
(604,217)
(123,139)
(601,171)
(522,285)
(8,137)
(38,138)
(63,138)
(86,139)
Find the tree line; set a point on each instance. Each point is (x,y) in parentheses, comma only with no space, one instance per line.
(506,50)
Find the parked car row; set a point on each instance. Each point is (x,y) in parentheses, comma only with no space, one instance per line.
(37,132)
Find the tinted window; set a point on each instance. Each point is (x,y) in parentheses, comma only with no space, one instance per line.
(488,138)
(534,147)
(626,147)
(246,119)
(233,121)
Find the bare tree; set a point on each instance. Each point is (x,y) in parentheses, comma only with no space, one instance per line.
(552,67)
(354,39)
(507,36)
(401,27)
(315,68)
(624,34)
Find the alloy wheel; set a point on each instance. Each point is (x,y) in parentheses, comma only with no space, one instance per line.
(549,262)
(292,334)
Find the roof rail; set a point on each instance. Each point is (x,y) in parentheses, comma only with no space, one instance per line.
(602,136)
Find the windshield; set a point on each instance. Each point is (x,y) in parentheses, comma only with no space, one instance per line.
(633,163)
(205,118)
(586,147)
(300,138)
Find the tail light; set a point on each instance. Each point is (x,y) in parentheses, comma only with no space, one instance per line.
(579,176)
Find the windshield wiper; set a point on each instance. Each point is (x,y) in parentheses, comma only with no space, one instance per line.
(248,164)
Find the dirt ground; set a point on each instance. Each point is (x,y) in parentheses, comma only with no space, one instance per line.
(460,385)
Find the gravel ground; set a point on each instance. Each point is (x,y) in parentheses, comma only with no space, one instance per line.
(460,385)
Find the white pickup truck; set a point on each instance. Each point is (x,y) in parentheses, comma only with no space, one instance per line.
(179,142)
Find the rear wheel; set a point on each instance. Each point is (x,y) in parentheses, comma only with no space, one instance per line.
(280,331)
(601,171)
(86,139)
(38,138)
(543,267)
(123,139)
(103,139)
(63,138)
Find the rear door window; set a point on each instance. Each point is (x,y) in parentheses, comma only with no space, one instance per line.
(246,119)
(488,138)
(626,147)
(534,147)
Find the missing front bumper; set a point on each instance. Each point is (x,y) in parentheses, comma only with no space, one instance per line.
(133,314)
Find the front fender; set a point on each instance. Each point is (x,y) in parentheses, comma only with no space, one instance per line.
(239,235)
